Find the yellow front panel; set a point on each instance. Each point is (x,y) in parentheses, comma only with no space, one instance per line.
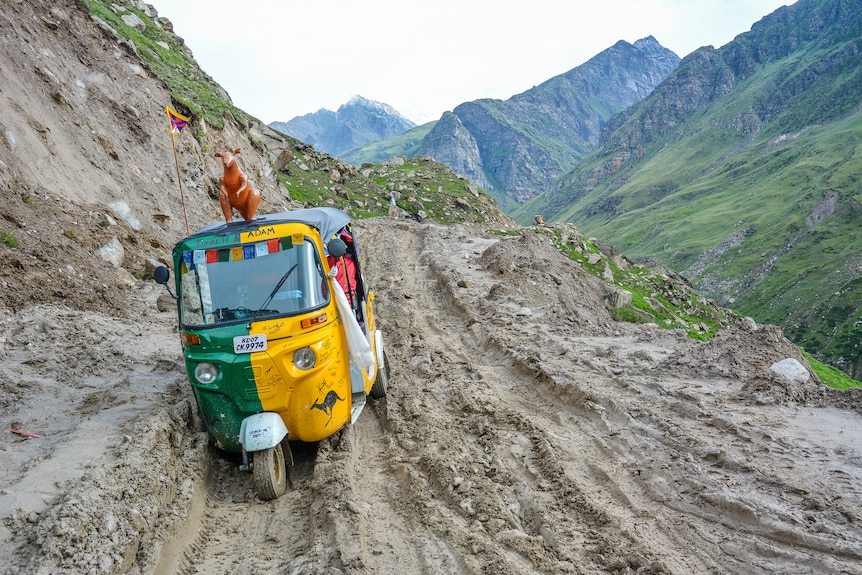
(313,403)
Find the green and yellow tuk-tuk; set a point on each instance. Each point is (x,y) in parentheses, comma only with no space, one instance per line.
(278,334)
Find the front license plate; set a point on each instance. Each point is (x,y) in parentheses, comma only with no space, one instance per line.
(249,343)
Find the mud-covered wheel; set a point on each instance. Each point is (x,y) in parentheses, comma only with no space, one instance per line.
(270,473)
(381,382)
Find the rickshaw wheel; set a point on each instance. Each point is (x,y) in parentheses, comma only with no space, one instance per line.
(270,473)
(381,382)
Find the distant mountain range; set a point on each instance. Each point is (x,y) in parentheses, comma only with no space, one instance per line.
(514,148)
(355,124)
(517,148)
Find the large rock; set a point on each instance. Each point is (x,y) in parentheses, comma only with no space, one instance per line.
(791,369)
(113,252)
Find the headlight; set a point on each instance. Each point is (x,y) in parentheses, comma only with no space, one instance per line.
(304,358)
(205,373)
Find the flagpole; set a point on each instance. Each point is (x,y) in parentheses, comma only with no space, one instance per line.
(179,181)
(172,118)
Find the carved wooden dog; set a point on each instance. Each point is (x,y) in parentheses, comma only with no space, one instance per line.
(235,191)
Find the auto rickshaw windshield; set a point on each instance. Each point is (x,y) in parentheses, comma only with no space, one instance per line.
(231,284)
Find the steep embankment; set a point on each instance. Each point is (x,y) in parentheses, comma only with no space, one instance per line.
(89,174)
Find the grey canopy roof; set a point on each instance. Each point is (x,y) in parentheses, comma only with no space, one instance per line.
(327,220)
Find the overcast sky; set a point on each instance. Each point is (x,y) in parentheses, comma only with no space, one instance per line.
(284,58)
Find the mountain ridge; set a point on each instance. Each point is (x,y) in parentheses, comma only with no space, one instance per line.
(517,147)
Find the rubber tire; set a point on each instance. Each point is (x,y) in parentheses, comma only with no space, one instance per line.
(381,382)
(270,473)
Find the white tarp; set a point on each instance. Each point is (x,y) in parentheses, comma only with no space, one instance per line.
(358,347)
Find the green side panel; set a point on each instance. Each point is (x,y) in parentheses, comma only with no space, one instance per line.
(232,397)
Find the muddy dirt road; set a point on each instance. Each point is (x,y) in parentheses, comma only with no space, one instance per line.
(524,432)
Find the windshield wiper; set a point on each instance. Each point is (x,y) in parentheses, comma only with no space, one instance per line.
(271,295)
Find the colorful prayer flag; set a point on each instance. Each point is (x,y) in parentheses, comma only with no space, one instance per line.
(188,261)
(178,121)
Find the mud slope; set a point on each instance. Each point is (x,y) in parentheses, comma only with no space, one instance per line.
(524,432)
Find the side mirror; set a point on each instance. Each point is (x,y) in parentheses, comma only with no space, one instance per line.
(161,275)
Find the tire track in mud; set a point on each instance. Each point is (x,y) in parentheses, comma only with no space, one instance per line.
(502,510)
(233,531)
(582,444)
(580,451)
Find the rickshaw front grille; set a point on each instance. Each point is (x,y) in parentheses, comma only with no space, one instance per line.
(258,388)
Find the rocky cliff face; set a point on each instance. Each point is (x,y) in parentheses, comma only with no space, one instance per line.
(451,143)
(356,123)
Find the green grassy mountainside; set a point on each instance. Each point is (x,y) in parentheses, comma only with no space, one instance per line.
(743,170)
(406,145)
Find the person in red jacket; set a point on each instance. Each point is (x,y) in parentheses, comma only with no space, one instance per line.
(345,266)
